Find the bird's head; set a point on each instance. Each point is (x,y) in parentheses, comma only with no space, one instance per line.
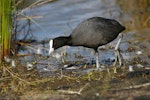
(57,43)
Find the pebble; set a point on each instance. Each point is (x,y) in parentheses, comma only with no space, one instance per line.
(139,52)
(131,68)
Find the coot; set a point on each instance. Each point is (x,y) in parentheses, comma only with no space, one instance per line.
(90,33)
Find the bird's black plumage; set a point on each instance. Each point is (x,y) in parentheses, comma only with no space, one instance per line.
(91,33)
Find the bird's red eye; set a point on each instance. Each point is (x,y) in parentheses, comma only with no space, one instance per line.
(54,44)
(114,22)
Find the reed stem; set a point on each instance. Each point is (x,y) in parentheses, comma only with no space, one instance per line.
(5,27)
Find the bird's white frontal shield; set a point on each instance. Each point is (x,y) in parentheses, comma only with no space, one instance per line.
(51,49)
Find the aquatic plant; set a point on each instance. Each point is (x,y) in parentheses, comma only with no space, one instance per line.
(5,27)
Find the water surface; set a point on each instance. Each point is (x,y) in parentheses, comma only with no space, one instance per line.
(60,17)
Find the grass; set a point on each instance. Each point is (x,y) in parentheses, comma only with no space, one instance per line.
(88,85)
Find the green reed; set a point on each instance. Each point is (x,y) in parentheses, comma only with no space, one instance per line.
(5,27)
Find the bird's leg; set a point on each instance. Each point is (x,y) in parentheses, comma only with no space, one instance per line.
(97,61)
(119,58)
(117,53)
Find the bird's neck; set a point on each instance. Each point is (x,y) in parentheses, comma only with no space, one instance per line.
(61,41)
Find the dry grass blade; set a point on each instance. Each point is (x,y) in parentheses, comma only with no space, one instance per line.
(15,76)
(74,92)
(146,21)
(132,87)
(43,2)
(37,3)
(24,18)
(32,47)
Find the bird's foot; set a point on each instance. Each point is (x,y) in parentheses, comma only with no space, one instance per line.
(100,68)
(117,58)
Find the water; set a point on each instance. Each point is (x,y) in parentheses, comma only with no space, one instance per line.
(62,16)
(59,18)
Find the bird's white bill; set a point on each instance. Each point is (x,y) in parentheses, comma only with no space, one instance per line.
(51,49)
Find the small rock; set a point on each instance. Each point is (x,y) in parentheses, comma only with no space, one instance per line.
(97,94)
(13,63)
(139,52)
(131,68)
(7,60)
(29,66)
(39,51)
(139,65)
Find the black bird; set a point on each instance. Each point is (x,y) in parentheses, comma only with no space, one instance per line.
(90,33)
